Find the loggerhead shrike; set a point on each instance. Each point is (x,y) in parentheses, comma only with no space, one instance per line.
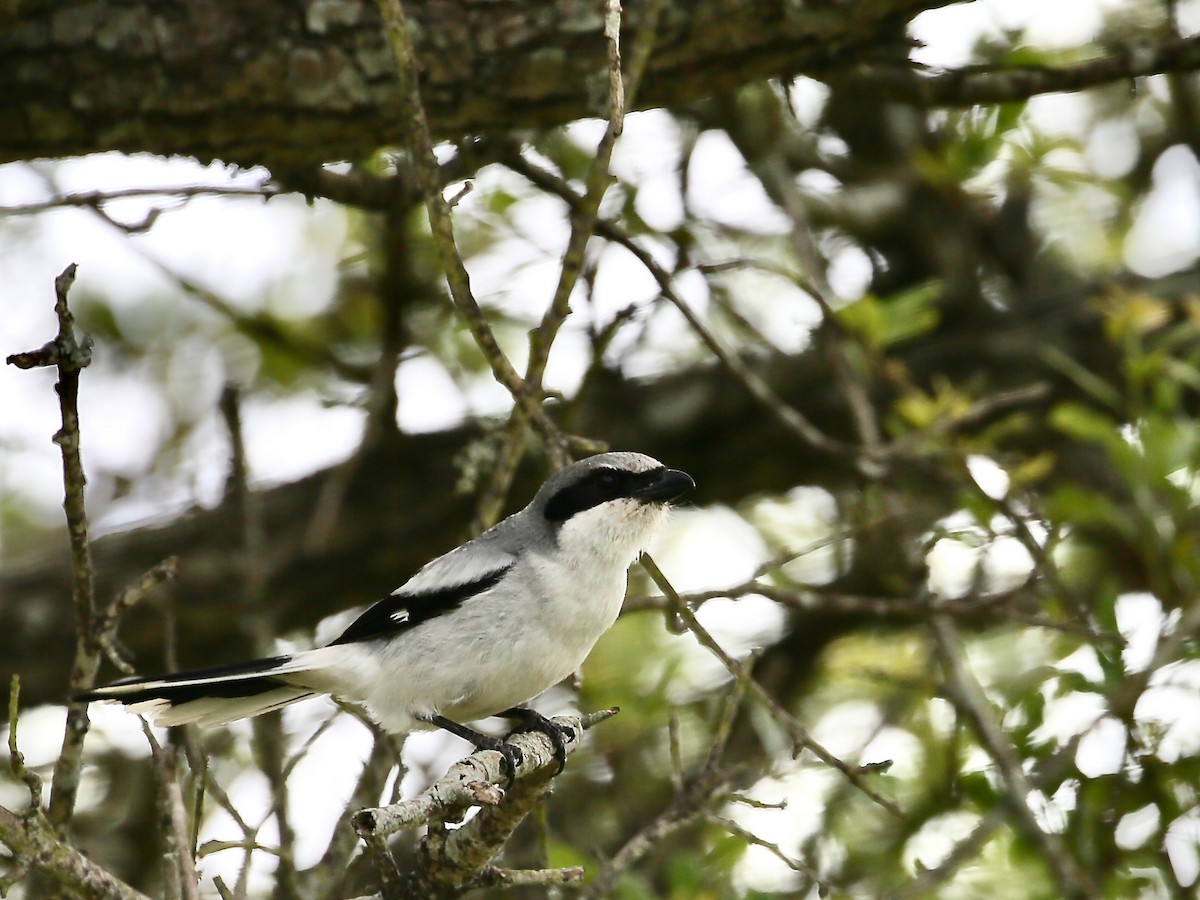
(475,633)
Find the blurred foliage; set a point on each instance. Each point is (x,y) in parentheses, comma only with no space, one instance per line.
(972,253)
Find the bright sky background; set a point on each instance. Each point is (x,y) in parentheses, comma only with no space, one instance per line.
(284,255)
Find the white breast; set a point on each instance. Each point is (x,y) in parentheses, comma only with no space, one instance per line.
(509,644)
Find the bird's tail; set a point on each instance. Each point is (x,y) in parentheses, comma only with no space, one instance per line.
(218,695)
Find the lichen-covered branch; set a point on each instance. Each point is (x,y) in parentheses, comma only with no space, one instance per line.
(32,839)
(473,781)
(292,84)
(451,862)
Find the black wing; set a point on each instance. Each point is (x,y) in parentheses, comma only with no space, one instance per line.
(398,613)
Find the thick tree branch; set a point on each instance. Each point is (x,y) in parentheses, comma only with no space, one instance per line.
(31,838)
(295,83)
(1005,84)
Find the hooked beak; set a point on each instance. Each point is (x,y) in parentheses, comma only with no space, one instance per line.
(669,485)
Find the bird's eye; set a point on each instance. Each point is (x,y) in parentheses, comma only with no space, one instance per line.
(608,480)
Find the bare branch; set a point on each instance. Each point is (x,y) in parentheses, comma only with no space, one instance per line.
(798,733)
(425,167)
(33,839)
(792,419)
(1010,606)
(473,781)
(691,802)
(325,878)
(1006,84)
(585,212)
(584,217)
(16,759)
(71,355)
(109,618)
(491,876)
(968,698)
(178,194)
(966,849)
(180,877)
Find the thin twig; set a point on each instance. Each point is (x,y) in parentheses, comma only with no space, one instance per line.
(689,804)
(675,745)
(778,178)
(71,354)
(261,328)
(815,599)
(585,212)
(16,759)
(508,457)
(96,199)
(798,733)
(968,698)
(730,705)
(966,849)
(269,739)
(751,838)
(180,876)
(584,217)
(420,144)
(792,419)
(198,762)
(109,618)
(325,879)
(381,401)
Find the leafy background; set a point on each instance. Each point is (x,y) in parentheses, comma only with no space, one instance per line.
(955,530)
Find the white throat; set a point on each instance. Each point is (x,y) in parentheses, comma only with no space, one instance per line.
(613,533)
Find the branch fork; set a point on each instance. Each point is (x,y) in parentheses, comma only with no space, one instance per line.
(453,861)
(473,781)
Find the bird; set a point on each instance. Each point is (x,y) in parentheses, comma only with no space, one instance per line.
(477,632)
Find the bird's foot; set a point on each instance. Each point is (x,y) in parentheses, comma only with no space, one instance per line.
(531,720)
(513,757)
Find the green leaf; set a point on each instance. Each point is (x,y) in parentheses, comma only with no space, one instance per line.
(1085,424)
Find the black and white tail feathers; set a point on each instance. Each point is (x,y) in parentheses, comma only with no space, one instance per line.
(217,695)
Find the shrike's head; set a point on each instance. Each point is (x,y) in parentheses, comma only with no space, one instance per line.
(611,504)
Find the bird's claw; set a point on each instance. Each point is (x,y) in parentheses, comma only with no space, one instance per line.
(513,757)
(559,735)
